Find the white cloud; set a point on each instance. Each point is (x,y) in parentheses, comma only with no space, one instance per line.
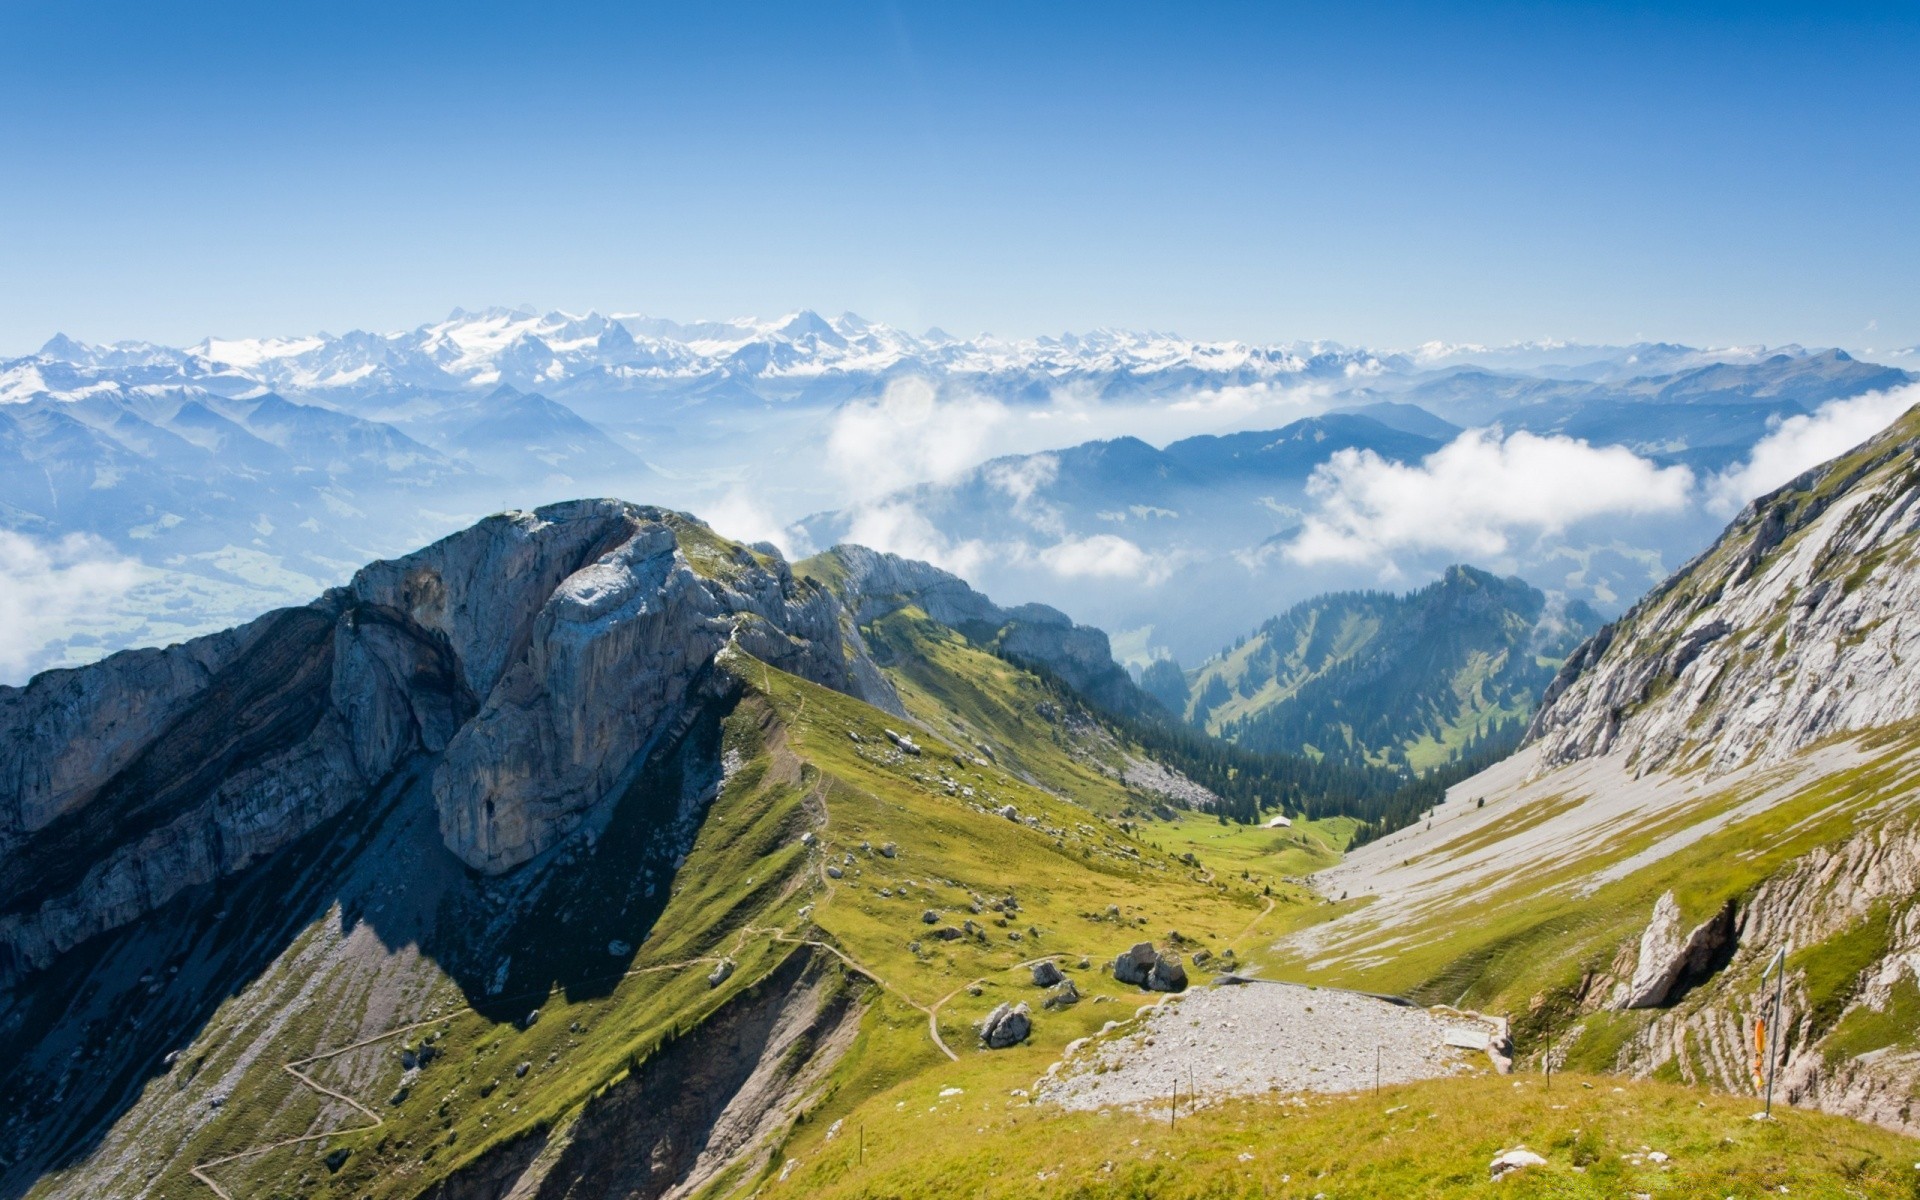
(910,435)
(48,588)
(918,432)
(899,528)
(1473,495)
(1798,444)
(744,519)
(1103,556)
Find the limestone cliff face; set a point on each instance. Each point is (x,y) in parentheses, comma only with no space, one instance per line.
(536,656)
(873,583)
(1799,623)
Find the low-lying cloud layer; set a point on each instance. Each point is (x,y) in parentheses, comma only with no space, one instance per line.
(1474,495)
(1799,444)
(48,588)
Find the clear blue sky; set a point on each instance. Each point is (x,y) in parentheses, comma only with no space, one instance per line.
(1708,173)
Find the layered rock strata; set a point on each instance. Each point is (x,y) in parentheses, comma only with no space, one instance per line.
(537,655)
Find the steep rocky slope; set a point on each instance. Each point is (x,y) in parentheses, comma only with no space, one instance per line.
(1796,625)
(536,656)
(1727,775)
(1371,675)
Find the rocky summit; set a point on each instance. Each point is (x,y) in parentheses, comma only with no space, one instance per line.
(533,659)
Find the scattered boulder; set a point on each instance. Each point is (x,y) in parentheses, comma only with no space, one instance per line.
(1009,812)
(835,873)
(1007,1025)
(1061,997)
(930,917)
(1146,967)
(1508,1161)
(1046,974)
(948,933)
(720,973)
(337,1159)
(1133,966)
(619,949)
(1169,974)
(889,850)
(520,1072)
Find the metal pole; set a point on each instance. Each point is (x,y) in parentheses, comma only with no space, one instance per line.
(1773,1050)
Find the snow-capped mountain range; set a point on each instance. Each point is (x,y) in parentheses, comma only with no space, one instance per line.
(558,353)
(210,482)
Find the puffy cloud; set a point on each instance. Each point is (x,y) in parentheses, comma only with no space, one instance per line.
(904,530)
(909,435)
(744,519)
(1103,556)
(48,588)
(918,432)
(1798,444)
(1472,495)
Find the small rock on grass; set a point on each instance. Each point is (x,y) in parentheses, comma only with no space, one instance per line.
(1046,974)
(1508,1161)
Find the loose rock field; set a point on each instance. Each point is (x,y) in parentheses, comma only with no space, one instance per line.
(1254,1038)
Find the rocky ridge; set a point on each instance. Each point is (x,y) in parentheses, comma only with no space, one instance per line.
(1793,627)
(873,583)
(535,657)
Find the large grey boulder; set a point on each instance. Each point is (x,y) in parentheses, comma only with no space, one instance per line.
(1146,967)
(1135,965)
(1046,973)
(1007,1025)
(1062,997)
(1169,974)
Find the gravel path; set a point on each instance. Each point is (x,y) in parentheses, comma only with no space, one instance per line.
(1254,1038)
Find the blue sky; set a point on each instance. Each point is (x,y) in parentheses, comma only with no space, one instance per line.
(1468,172)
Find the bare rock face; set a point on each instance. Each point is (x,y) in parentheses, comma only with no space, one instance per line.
(1794,626)
(1666,956)
(530,661)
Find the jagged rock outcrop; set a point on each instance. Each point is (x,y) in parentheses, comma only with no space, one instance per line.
(533,658)
(1861,889)
(1797,624)
(1666,957)
(873,584)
